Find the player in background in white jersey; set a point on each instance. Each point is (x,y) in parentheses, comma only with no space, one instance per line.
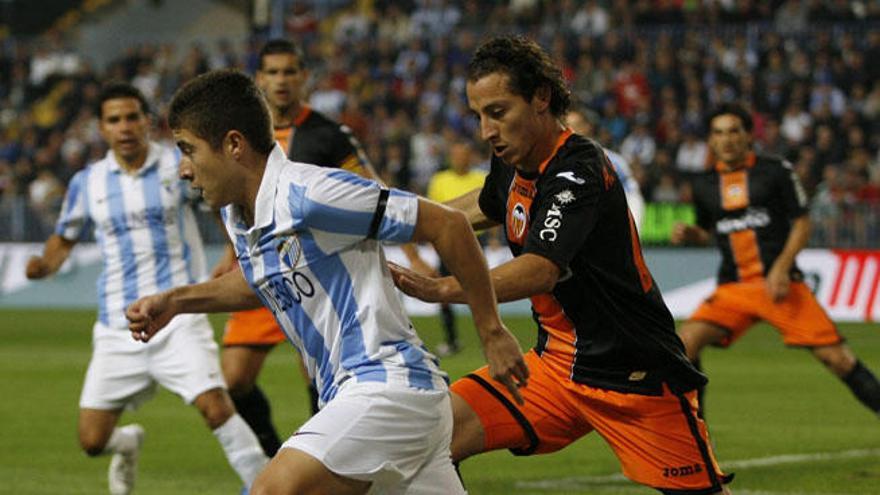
(308,242)
(140,213)
(581,123)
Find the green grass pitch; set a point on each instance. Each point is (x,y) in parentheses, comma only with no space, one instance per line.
(783,423)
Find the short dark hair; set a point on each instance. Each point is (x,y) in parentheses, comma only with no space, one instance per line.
(736,109)
(219,101)
(280,45)
(120,89)
(527,66)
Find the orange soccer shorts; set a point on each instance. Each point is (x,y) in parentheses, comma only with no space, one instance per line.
(252,327)
(798,317)
(659,440)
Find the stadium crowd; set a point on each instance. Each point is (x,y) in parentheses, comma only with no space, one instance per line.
(647,71)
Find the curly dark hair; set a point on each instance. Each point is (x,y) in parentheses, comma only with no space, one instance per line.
(214,103)
(527,66)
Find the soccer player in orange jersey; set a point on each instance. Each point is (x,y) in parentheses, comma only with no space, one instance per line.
(607,357)
(757,210)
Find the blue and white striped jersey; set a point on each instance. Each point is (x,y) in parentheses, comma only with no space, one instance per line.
(143,224)
(314,258)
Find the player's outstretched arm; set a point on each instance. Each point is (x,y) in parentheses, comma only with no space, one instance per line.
(55,252)
(469,204)
(524,276)
(453,239)
(229,292)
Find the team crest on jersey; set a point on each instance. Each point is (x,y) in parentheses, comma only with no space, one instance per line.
(734,192)
(289,252)
(519,218)
(565,197)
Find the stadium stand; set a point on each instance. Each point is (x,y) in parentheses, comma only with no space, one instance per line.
(393,71)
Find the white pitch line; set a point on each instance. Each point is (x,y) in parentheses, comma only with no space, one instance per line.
(575,482)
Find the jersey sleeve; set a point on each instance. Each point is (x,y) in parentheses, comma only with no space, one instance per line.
(492,197)
(350,208)
(74,219)
(794,198)
(565,216)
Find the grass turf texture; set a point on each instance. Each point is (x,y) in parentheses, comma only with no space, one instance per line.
(764,401)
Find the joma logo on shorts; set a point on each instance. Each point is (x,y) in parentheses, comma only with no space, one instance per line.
(676,472)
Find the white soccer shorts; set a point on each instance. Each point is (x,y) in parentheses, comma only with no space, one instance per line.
(123,373)
(397,438)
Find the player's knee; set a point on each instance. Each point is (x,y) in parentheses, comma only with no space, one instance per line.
(267,483)
(215,406)
(93,445)
(238,385)
(837,358)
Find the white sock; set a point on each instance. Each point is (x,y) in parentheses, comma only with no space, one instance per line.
(123,439)
(242,448)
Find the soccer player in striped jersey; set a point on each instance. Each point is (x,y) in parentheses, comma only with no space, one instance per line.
(607,358)
(139,210)
(756,209)
(308,242)
(306,136)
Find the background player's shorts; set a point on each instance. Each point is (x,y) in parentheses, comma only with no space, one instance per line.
(123,373)
(659,440)
(252,327)
(397,438)
(799,317)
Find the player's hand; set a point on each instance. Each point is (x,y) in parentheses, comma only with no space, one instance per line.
(148,315)
(505,359)
(778,283)
(428,289)
(37,268)
(420,266)
(681,233)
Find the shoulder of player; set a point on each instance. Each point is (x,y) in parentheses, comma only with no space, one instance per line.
(578,160)
(319,122)
(772,164)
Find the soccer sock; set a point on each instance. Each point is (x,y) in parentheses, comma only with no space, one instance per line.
(242,449)
(313,398)
(254,408)
(448,317)
(123,439)
(864,386)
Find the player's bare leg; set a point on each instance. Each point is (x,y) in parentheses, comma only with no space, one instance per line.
(99,435)
(697,334)
(239,443)
(841,361)
(292,471)
(468,437)
(241,365)
(95,428)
